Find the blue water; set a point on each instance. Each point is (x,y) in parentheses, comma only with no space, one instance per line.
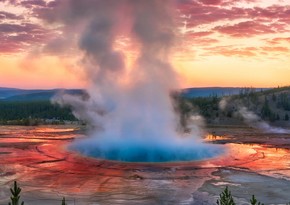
(144,151)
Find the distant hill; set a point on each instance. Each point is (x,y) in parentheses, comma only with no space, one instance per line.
(8,92)
(14,94)
(213,91)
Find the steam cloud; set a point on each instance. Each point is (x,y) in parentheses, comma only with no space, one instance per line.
(132,121)
(252,119)
(255,121)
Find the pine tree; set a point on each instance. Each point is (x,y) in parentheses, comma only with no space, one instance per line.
(15,195)
(226,198)
(63,201)
(254,201)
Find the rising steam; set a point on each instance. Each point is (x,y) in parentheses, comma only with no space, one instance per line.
(132,120)
(251,119)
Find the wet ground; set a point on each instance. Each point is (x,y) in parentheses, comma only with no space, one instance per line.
(254,163)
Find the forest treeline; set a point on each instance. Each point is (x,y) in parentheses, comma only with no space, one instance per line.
(271,105)
(33,113)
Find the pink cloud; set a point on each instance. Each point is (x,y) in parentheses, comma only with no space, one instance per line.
(208,13)
(33,3)
(10,16)
(211,2)
(197,13)
(275,49)
(199,34)
(232,51)
(204,41)
(278,40)
(17,37)
(250,28)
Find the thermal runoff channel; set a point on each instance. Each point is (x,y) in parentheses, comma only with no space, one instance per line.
(129,109)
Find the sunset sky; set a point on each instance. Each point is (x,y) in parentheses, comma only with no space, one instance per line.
(220,43)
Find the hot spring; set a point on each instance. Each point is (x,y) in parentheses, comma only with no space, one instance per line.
(128,106)
(133,150)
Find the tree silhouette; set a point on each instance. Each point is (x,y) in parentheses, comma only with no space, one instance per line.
(15,195)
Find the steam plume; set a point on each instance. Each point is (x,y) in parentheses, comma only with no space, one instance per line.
(253,120)
(133,121)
